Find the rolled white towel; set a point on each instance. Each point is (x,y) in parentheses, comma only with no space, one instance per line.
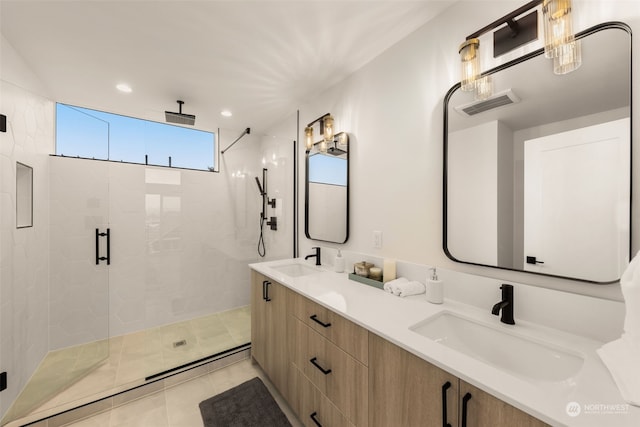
(392,285)
(410,288)
(621,358)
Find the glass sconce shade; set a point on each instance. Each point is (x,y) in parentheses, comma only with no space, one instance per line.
(342,138)
(322,147)
(484,87)
(328,129)
(558,26)
(308,137)
(470,57)
(569,58)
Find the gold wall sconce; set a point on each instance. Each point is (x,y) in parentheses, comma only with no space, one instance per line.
(328,133)
(559,41)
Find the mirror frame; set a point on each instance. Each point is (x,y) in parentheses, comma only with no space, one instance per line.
(306,198)
(592,30)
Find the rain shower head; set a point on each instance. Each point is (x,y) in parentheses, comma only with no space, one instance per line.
(259,186)
(179,117)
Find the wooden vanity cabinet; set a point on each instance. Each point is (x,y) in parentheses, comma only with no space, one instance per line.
(329,358)
(372,382)
(408,391)
(269,329)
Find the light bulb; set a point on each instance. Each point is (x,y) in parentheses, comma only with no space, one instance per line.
(328,128)
(308,137)
(470,57)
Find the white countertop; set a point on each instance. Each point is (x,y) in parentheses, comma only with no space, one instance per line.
(390,317)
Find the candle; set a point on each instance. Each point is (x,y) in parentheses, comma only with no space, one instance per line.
(375,273)
(389,270)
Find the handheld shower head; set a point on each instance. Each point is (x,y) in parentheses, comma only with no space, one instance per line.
(259,186)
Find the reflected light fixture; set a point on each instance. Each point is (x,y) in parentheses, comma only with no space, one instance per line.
(484,87)
(516,29)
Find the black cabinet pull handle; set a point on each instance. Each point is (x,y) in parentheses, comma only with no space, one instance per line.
(315,319)
(324,371)
(314,419)
(445,387)
(264,290)
(102,258)
(465,401)
(266,293)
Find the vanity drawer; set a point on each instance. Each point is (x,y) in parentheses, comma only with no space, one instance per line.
(340,377)
(310,404)
(342,332)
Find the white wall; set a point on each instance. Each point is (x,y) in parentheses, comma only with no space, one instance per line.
(277,156)
(24,255)
(472,215)
(392,109)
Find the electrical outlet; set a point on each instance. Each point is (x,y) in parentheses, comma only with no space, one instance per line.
(377,239)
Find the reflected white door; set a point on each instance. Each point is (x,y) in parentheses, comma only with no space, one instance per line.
(576,202)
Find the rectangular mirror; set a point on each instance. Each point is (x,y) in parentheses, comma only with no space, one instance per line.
(327,191)
(24,195)
(537,177)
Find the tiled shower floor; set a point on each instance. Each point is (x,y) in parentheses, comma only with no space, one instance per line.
(131,358)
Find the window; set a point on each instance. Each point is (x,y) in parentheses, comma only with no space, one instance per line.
(92,134)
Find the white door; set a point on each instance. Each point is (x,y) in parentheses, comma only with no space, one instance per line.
(576,202)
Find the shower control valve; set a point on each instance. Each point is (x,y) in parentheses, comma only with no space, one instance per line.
(273,223)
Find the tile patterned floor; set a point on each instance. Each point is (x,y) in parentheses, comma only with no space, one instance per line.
(177,406)
(129,359)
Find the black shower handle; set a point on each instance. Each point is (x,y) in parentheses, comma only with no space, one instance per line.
(108,236)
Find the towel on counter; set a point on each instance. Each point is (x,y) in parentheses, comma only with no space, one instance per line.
(622,356)
(392,286)
(410,288)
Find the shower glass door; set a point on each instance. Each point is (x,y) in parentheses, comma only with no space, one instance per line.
(79,257)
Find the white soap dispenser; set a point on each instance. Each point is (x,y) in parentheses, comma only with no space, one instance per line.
(338,263)
(435,288)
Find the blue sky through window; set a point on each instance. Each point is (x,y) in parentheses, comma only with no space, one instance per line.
(96,134)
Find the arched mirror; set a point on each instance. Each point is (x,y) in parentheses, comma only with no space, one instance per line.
(327,191)
(537,177)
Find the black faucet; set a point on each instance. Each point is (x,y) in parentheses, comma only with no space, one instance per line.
(315,255)
(506,305)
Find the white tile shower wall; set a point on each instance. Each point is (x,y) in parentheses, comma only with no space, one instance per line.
(277,156)
(392,109)
(180,243)
(24,255)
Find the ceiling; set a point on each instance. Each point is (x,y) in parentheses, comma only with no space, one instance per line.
(259,59)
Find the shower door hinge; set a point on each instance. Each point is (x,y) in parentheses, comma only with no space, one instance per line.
(3,381)
(3,123)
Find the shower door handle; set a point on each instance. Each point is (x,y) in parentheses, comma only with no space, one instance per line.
(99,258)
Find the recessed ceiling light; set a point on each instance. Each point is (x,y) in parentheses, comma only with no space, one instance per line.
(123,87)
(226,113)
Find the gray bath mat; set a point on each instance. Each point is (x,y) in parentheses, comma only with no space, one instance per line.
(248,404)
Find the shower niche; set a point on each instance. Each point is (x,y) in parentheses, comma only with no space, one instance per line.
(24,195)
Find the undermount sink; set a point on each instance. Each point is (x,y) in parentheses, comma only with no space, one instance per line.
(503,349)
(296,270)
